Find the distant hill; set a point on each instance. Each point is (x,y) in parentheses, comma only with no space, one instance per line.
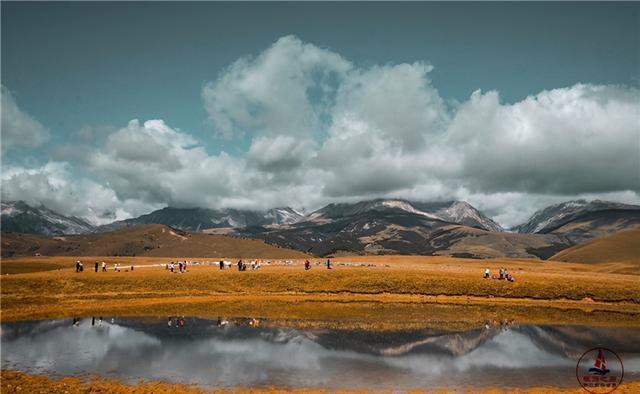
(198,219)
(620,247)
(142,240)
(581,221)
(18,216)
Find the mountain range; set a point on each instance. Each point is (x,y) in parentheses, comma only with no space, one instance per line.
(197,219)
(580,221)
(380,226)
(20,217)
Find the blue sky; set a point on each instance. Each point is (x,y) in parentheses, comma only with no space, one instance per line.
(83,71)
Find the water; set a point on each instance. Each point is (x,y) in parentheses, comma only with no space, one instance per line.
(245,352)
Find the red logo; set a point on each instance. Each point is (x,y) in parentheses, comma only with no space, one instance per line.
(600,370)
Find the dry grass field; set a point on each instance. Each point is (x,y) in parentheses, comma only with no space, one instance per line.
(385,289)
(622,247)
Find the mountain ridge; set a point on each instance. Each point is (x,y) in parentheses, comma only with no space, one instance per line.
(18,216)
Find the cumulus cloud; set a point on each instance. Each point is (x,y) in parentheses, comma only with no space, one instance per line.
(397,100)
(322,129)
(285,90)
(282,153)
(55,186)
(18,127)
(580,139)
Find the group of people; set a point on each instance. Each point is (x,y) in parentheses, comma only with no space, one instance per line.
(307,264)
(242,265)
(503,274)
(97,265)
(182,266)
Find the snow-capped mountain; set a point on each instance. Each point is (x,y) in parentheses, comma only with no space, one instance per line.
(284,215)
(197,219)
(19,217)
(459,212)
(553,216)
(464,213)
(581,220)
(394,226)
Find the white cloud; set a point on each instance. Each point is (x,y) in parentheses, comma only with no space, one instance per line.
(55,185)
(18,127)
(580,139)
(397,100)
(321,129)
(282,153)
(285,90)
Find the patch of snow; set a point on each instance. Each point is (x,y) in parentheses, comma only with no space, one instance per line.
(405,206)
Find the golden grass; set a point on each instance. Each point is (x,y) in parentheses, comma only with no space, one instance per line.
(392,291)
(623,246)
(19,382)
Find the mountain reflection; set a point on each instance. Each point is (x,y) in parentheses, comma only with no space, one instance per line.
(241,353)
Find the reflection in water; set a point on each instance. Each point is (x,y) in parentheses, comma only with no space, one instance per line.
(240,352)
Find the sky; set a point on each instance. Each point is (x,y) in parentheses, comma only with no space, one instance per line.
(112,110)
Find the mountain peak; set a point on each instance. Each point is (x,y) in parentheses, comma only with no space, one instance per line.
(20,217)
(550,217)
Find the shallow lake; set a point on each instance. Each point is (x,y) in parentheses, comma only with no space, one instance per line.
(248,352)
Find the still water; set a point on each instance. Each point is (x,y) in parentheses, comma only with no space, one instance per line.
(245,352)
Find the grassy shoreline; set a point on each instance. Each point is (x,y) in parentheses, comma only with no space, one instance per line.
(361,292)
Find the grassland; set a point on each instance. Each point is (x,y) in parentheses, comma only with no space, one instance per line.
(620,247)
(388,290)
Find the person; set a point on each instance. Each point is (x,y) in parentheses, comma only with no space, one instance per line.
(501,273)
(170,322)
(171,266)
(307,265)
(131,267)
(221,264)
(253,265)
(328,264)
(96,266)
(104,267)
(77,265)
(180,266)
(181,321)
(487,273)
(239,265)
